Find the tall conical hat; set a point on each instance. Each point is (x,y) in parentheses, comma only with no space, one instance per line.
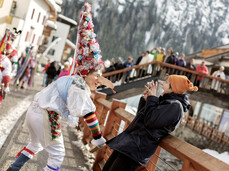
(88,56)
(88,50)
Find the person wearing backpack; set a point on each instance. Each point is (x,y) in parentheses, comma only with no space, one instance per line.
(156,118)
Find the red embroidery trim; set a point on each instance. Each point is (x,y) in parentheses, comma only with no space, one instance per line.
(26,149)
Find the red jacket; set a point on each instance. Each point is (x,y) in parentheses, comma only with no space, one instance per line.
(201,69)
(46,67)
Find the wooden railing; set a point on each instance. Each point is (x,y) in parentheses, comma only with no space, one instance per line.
(206,130)
(162,69)
(114,119)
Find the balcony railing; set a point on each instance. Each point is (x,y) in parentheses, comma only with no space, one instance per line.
(161,69)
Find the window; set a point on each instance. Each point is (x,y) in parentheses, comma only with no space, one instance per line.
(38,17)
(51,52)
(54,38)
(33,38)
(26,37)
(38,41)
(13,8)
(44,18)
(32,14)
(1,3)
(29,37)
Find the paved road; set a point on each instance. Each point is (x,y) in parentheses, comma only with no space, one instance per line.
(19,137)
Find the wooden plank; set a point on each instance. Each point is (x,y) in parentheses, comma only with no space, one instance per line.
(109,137)
(124,115)
(199,159)
(104,102)
(101,164)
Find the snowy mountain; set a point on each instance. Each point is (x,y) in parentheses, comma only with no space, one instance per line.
(128,27)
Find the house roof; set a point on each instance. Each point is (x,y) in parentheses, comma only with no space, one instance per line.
(53,5)
(63,19)
(51,24)
(69,43)
(60,2)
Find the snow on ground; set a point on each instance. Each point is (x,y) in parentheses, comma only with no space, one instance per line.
(223,156)
(90,157)
(8,120)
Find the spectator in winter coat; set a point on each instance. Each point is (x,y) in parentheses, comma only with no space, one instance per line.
(145,59)
(190,66)
(156,118)
(128,64)
(51,73)
(176,57)
(65,71)
(160,59)
(119,65)
(111,67)
(220,74)
(169,59)
(181,62)
(45,74)
(140,58)
(201,69)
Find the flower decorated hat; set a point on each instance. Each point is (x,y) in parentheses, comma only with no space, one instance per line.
(87,54)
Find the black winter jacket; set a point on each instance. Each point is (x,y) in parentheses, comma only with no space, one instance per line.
(155,119)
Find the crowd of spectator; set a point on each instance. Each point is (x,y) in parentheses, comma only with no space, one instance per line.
(167,56)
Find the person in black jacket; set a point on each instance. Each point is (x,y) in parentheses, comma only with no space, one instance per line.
(156,118)
(51,72)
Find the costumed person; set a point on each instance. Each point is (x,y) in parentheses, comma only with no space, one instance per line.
(5,63)
(69,97)
(216,84)
(25,77)
(11,51)
(156,118)
(5,72)
(26,63)
(32,65)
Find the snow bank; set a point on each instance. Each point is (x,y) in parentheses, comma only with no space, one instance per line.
(89,157)
(223,156)
(8,120)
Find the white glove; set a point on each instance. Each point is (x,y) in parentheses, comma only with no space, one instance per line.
(100,141)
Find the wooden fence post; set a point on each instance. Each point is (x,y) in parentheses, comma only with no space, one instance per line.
(99,107)
(107,131)
(187,165)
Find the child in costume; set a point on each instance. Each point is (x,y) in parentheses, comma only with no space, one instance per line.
(69,97)
(156,117)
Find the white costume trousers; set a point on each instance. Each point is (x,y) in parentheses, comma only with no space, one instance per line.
(34,120)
